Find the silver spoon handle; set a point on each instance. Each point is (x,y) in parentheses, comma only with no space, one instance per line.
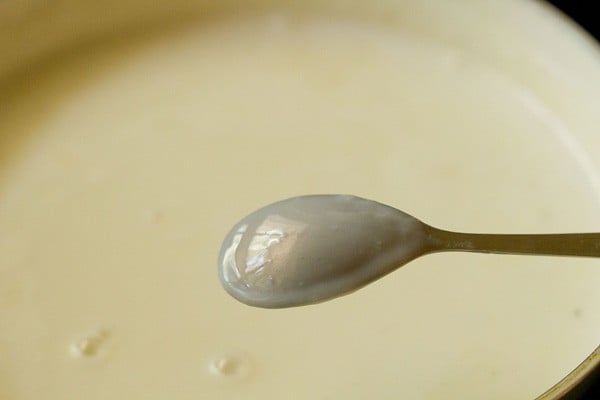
(566,244)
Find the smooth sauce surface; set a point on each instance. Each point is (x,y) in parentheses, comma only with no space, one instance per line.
(138,159)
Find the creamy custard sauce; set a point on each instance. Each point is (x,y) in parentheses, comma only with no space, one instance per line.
(124,167)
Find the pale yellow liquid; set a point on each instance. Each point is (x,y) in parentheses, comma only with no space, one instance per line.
(124,167)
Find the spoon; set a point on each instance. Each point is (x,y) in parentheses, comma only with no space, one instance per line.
(310,249)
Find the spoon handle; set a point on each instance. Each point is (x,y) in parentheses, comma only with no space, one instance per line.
(566,244)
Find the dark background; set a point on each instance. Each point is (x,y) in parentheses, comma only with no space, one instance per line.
(583,12)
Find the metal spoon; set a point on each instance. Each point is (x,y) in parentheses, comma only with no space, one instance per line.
(309,249)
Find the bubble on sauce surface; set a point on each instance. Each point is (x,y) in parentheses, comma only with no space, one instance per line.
(92,345)
(229,366)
